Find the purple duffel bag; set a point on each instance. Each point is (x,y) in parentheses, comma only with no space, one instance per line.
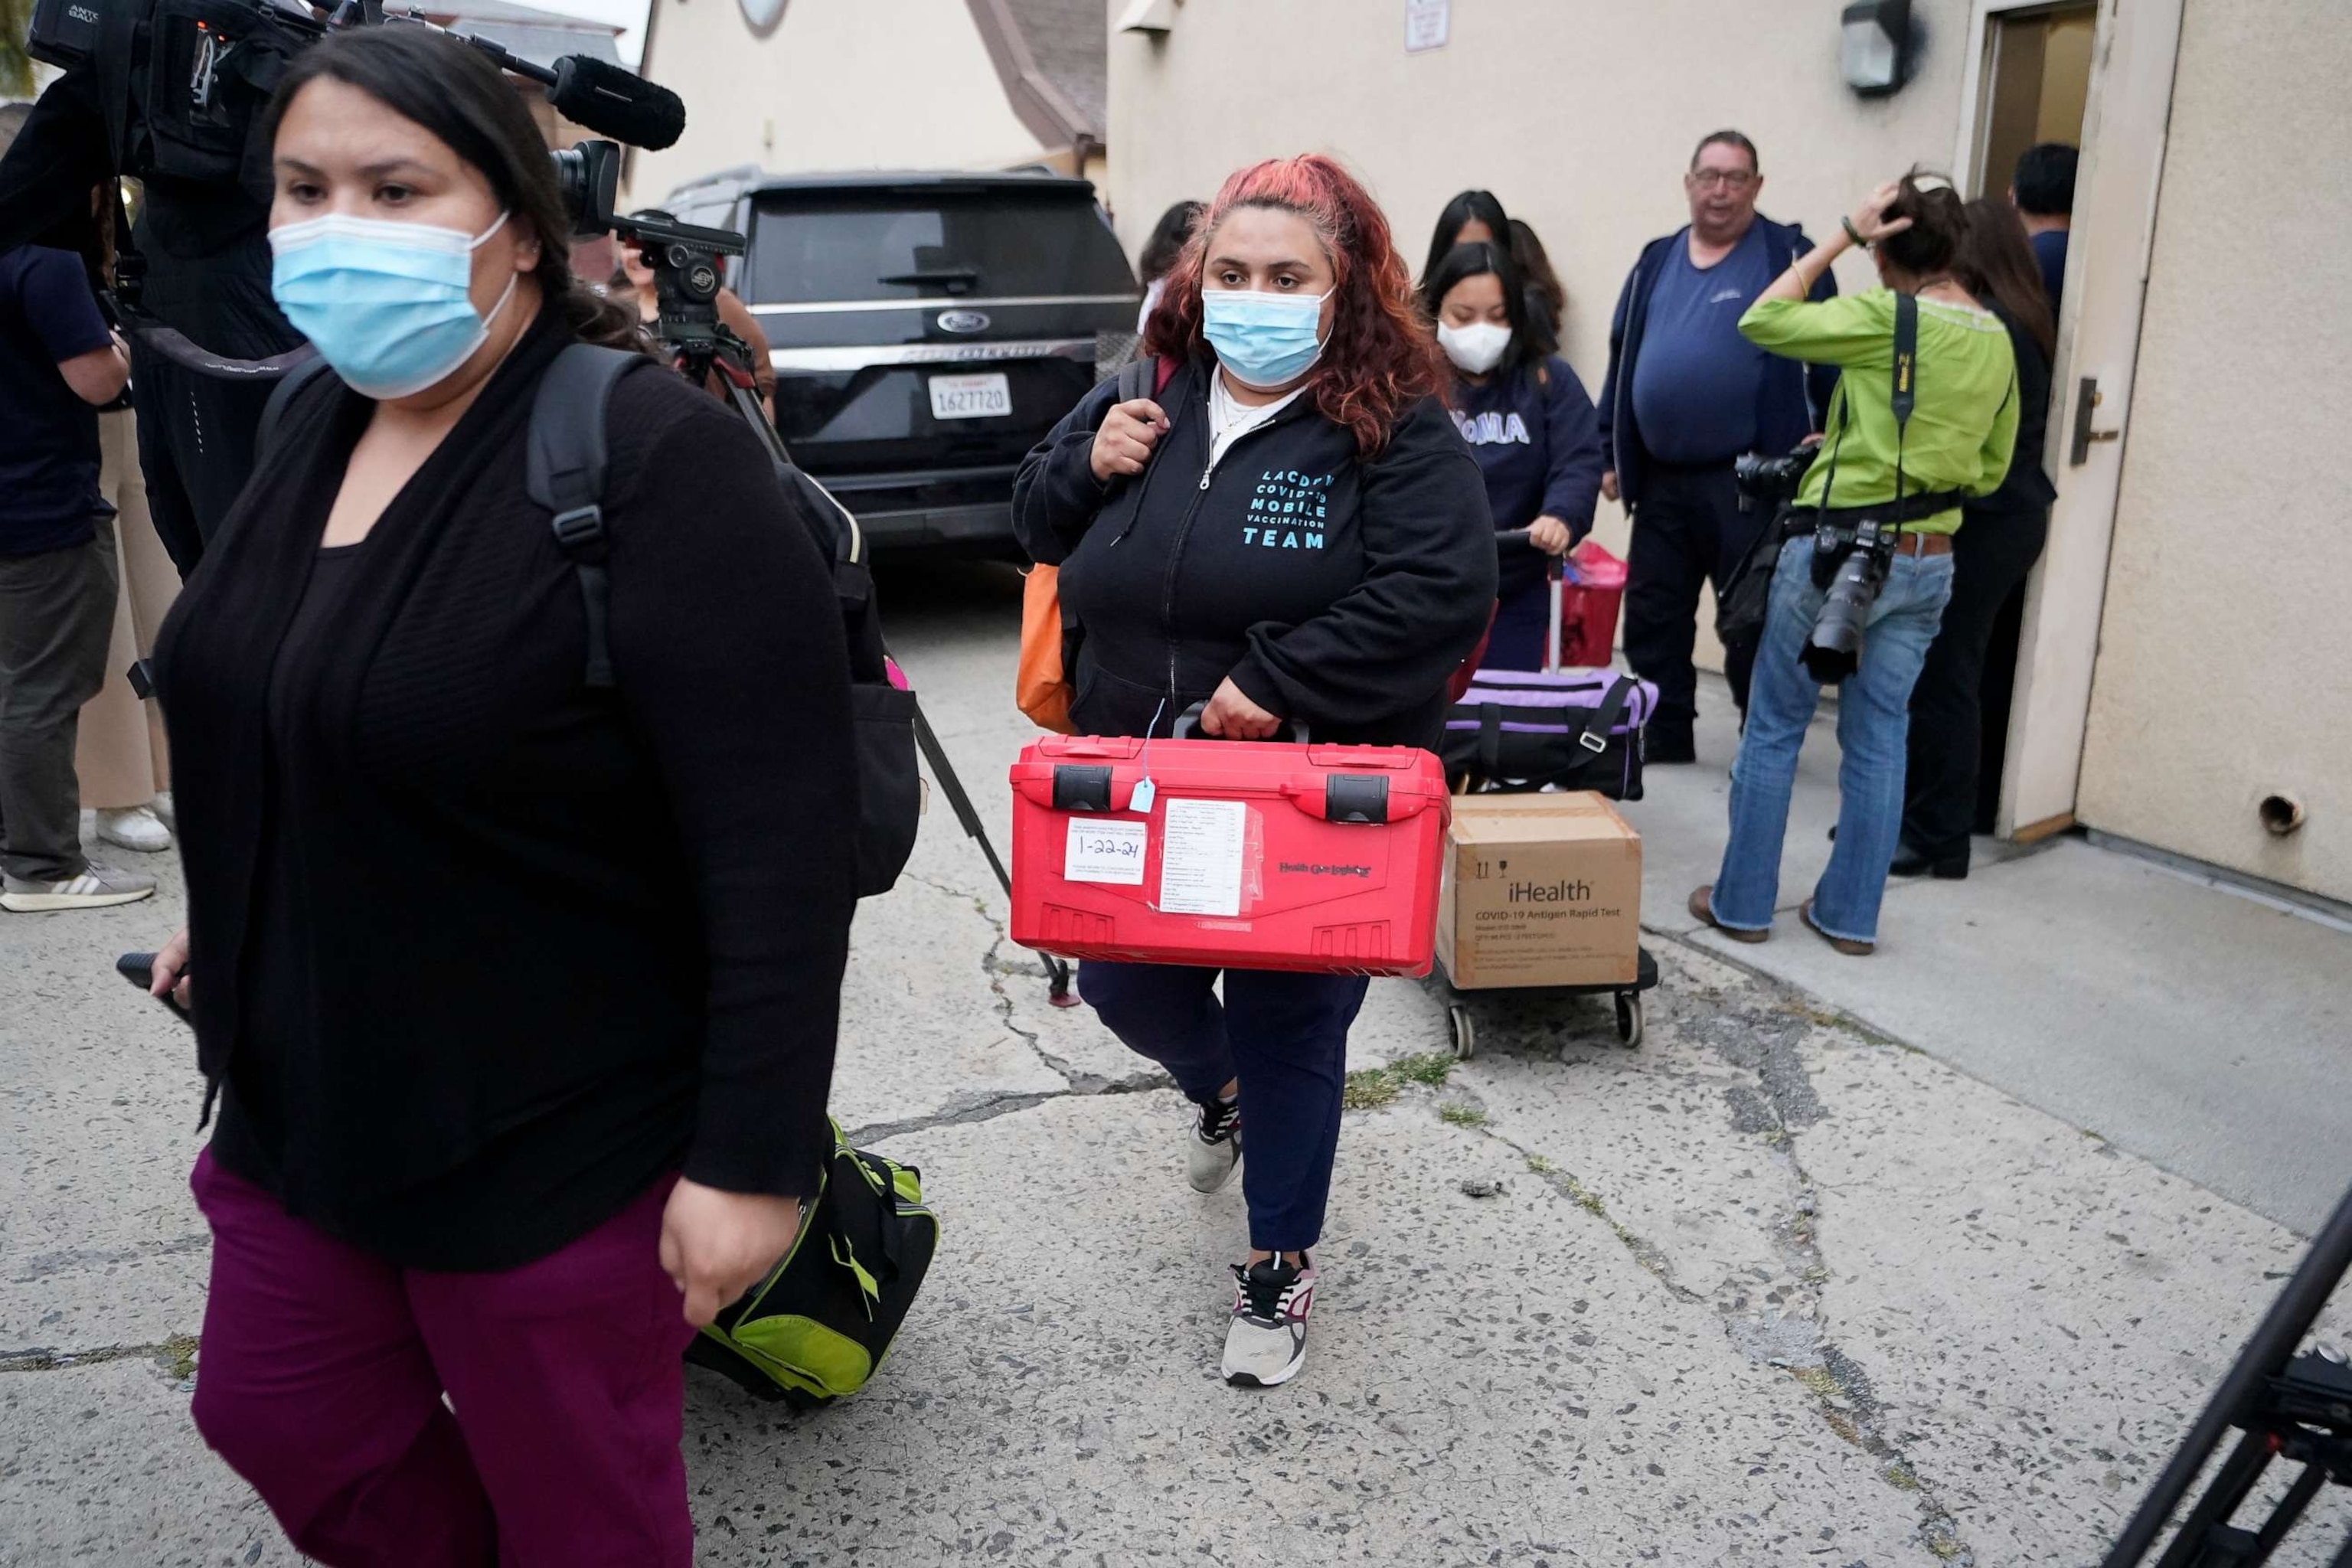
(1579,729)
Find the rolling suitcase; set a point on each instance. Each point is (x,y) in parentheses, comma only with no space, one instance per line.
(1323,859)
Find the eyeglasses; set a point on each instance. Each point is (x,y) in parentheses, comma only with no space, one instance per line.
(1730,179)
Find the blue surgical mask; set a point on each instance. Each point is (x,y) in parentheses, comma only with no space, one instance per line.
(389,305)
(1263,339)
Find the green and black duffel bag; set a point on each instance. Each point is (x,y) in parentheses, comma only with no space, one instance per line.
(818,1325)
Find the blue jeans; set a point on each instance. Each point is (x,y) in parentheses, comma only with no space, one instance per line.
(1284,1035)
(1874,723)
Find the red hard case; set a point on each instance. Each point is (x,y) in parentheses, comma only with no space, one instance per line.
(1263,879)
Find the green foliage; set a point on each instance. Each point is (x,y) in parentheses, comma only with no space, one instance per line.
(1461,1115)
(1430,1069)
(1368,1089)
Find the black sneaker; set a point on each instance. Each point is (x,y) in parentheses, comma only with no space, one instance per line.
(1213,1150)
(1265,1343)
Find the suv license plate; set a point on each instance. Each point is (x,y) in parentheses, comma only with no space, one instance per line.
(970,397)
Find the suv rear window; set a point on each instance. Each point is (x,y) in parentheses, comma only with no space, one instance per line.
(888,244)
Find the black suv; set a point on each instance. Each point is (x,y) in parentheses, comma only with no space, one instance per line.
(927,330)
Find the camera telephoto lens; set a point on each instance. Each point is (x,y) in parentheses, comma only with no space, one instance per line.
(1835,649)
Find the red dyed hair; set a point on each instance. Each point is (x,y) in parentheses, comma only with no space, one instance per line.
(1380,358)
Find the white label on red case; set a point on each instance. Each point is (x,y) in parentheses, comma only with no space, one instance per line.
(1200,857)
(1102,850)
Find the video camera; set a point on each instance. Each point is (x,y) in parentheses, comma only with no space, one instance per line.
(224,50)
(685,259)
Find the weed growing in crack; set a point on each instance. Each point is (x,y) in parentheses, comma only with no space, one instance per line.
(1538,1166)
(1370,1088)
(1430,1069)
(178,1357)
(1461,1115)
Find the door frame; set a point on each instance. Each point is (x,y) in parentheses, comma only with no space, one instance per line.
(2125,125)
(1976,79)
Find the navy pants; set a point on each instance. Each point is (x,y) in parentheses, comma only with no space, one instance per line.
(1283,1036)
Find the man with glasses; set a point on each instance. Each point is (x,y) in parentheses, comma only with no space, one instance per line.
(1684,397)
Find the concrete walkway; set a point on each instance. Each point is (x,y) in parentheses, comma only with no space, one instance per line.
(1784,1287)
(2207,1032)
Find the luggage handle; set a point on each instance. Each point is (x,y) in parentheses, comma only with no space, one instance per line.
(1188,728)
(1351,800)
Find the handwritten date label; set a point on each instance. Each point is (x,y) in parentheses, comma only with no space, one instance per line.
(1102,850)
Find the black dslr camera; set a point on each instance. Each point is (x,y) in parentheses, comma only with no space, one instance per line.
(1768,484)
(1850,565)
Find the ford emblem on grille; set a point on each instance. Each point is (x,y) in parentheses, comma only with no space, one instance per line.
(963,320)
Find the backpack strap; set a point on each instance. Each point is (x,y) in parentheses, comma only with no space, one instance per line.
(273,412)
(1136,378)
(564,471)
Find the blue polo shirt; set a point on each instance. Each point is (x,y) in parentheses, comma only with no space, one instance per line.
(1696,383)
(48,435)
(2050,251)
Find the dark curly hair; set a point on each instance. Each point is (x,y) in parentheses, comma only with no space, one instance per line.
(1380,358)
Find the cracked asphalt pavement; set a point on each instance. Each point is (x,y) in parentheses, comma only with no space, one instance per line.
(1774,1290)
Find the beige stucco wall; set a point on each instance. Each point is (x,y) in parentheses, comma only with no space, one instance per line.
(840,84)
(2225,670)
(1580,114)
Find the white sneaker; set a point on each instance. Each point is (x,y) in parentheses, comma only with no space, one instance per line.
(1212,1149)
(166,809)
(134,827)
(95,889)
(1265,1343)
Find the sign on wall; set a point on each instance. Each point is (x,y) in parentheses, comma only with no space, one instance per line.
(1426,24)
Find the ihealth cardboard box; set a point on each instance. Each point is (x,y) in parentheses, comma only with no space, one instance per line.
(1539,889)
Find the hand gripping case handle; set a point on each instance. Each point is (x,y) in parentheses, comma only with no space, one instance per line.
(1188,728)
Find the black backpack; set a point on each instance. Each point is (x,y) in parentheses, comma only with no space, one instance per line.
(564,470)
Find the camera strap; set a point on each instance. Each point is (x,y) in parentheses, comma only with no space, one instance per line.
(1903,395)
(1904,392)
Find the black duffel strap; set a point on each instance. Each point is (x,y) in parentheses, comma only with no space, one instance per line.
(1594,736)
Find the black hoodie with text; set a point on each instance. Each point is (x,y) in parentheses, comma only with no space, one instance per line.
(1335,591)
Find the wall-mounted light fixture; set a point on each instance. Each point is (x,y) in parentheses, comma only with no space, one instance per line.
(1152,18)
(1877,46)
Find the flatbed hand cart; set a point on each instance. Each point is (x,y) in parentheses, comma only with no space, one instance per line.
(1627,997)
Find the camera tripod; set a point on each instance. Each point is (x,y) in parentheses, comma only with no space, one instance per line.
(2284,1405)
(686,282)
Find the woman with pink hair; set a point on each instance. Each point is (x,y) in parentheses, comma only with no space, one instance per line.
(1291,533)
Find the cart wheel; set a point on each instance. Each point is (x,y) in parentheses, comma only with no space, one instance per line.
(1629,1017)
(1465,1033)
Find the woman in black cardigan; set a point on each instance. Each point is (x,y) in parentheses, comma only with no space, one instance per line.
(519,997)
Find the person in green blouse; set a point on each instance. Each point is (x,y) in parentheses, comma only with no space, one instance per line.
(1955,444)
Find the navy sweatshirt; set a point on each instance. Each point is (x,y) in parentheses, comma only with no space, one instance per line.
(1792,398)
(1538,441)
(1336,591)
